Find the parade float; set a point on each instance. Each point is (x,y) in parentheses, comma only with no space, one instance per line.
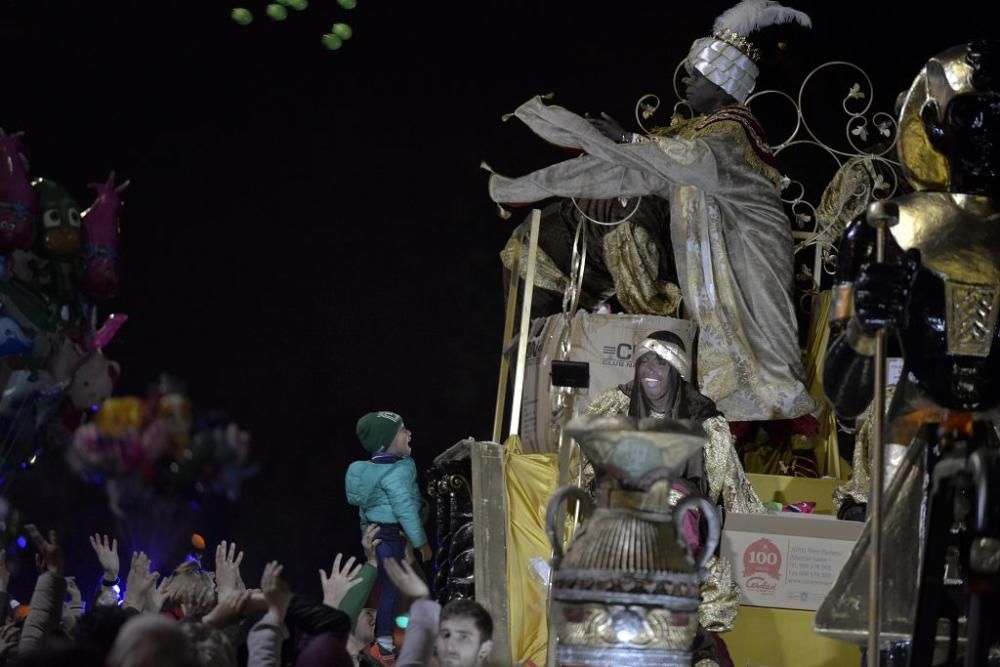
(598,279)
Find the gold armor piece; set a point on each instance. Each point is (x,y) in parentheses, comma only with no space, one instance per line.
(958,235)
(972,318)
(959,240)
(924,167)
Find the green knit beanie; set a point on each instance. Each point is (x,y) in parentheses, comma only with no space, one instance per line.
(376,430)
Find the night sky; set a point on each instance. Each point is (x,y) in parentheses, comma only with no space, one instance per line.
(307,236)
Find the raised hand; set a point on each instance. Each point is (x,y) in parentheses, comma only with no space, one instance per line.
(369,542)
(406,579)
(51,553)
(275,589)
(227,568)
(155,598)
(230,607)
(140,581)
(340,581)
(107,555)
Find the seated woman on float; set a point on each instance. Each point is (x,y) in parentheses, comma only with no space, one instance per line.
(663,388)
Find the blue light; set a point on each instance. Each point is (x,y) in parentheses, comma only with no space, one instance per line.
(21,542)
(403,621)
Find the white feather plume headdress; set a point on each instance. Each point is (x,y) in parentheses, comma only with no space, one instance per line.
(751,15)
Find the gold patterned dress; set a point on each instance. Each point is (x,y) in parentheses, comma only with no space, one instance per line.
(730,235)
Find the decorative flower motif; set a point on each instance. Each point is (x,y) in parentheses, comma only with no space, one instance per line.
(879,183)
(861,131)
(785,182)
(855,93)
(883,129)
(647,111)
(801,219)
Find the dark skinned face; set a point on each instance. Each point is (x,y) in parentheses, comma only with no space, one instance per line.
(654,376)
(703,95)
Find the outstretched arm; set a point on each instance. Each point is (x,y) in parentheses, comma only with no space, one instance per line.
(609,169)
(50,589)
(585,177)
(264,640)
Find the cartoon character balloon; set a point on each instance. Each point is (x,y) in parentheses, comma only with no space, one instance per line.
(61,221)
(101,269)
(59,240)
(18,202)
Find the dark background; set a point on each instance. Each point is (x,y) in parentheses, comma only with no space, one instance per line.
(307,236)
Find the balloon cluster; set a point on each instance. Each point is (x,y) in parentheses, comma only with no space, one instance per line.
(58,262)
(278,11)
(158,440)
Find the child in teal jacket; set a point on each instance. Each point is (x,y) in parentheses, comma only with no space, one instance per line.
(384,489)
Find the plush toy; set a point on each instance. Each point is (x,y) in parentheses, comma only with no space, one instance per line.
(93,382)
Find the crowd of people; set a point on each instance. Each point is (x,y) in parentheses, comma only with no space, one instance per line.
(200,618)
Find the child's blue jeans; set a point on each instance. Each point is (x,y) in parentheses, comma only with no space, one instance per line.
(393,546)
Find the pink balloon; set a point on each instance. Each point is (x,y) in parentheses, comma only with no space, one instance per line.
(102,268)
(18,201)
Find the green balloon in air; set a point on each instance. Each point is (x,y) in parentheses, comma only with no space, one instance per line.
(332,42)
(342,30)
(348,4)
(277,12)
(242,15)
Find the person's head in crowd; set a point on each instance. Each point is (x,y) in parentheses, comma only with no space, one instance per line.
(307,619)
(100,625)
(211,646)
(190,587)
(364,628)
(465,634)
(151,640)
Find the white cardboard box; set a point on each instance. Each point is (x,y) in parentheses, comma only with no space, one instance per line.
(787,560)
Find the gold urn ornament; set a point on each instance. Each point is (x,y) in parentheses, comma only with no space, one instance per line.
(626,592)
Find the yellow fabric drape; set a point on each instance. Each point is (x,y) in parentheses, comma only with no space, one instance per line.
(775,460)
(827,452)
(531,479)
